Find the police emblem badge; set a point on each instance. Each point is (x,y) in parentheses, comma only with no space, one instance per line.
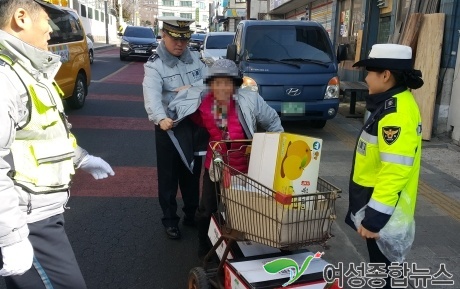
(391,133)
(183,23)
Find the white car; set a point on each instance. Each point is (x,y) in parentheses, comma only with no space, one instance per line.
(90,49)
(215,46)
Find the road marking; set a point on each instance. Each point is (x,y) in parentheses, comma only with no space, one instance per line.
(437,198)
(137,182)
(107,122)
(112,74)
(115,97)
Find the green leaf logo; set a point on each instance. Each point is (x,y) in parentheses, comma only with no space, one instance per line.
(277,265)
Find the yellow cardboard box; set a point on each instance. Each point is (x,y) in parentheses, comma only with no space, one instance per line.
(285,162)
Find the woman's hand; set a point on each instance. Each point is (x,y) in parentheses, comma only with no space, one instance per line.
(366,234)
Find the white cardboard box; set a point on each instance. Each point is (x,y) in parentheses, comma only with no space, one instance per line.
(287,163)
(242,274)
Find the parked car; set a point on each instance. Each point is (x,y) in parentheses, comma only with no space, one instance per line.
(69,40)
(291,63)
(90,49)
(215,46)
(137,41)
(196,40)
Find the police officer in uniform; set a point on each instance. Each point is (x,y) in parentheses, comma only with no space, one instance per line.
(173,68)
(386,164)
(38,154)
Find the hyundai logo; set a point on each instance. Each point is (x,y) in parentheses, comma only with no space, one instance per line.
(293,91)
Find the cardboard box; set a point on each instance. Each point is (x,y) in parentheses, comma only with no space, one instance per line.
(245,248)
(266,221)
(250,274)
(287,163)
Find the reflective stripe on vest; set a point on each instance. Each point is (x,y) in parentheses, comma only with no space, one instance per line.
(43,149)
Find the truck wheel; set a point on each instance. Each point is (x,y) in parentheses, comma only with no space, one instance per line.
(77,100)
(197,279)
(318,123)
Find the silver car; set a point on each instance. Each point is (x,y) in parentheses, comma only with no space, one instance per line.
(215,46)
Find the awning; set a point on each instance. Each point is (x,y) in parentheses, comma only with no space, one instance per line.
(235,12)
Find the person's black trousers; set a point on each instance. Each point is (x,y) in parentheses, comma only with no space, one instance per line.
(54,265)
(172,173)
(376,256)
(208,206)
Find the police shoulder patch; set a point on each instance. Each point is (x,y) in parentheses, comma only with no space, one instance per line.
(390,103)
(153,57)
(390,134)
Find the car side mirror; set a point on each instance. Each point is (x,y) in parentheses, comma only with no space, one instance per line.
(342,52)
(120,34)
(201,47)
(231,52)
(158,37)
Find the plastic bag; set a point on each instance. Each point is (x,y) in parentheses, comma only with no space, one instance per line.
(397,236)
(215,170)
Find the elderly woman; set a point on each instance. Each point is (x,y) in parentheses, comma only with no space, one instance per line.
(227,112)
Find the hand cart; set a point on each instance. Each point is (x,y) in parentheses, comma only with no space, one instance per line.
(251,211)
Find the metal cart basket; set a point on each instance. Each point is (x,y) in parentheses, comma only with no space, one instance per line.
(251,211)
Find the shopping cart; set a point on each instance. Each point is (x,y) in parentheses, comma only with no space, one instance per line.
(251,211)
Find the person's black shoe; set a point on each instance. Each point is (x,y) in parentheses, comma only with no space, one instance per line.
(189,222)
(173,232)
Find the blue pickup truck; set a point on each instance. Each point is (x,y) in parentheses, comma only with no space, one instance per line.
(292,64)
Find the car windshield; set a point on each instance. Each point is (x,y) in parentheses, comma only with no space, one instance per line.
(139,32)
(219,41)
(295,43)
(199,36)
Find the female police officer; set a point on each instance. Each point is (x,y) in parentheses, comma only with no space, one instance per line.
(386,167)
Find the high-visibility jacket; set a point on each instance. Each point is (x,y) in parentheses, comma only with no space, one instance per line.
(43,148)
(387,160)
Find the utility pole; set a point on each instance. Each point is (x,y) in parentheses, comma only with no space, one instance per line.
(120,12)
(136,15)
(106,22)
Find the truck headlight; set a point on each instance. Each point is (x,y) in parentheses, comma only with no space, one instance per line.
(208,61)
(332,89)
(250,84)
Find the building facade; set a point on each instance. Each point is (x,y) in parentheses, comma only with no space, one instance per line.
(196,10)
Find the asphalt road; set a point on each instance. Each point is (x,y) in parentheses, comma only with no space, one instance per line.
(114,224)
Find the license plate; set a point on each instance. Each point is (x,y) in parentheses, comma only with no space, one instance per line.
(140,51)
(293,108)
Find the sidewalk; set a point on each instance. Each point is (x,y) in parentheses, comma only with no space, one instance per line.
(102,45)
(437,213)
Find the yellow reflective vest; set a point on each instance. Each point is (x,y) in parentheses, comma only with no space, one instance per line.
(387,161)
(43,148)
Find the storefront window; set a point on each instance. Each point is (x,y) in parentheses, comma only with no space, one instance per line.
(384,29)
(351,22)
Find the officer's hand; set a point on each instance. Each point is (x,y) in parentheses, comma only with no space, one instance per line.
(97,167)
(166,123)
(17,258)
(366,234)
(182,88)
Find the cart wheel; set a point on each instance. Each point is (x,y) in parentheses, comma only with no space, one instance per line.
(197,279)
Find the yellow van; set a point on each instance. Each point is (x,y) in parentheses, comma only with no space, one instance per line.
(68,39)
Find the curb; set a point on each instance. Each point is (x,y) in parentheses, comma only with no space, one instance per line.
(104,46)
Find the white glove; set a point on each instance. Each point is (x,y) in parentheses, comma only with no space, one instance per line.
(17,258)
(96,166)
